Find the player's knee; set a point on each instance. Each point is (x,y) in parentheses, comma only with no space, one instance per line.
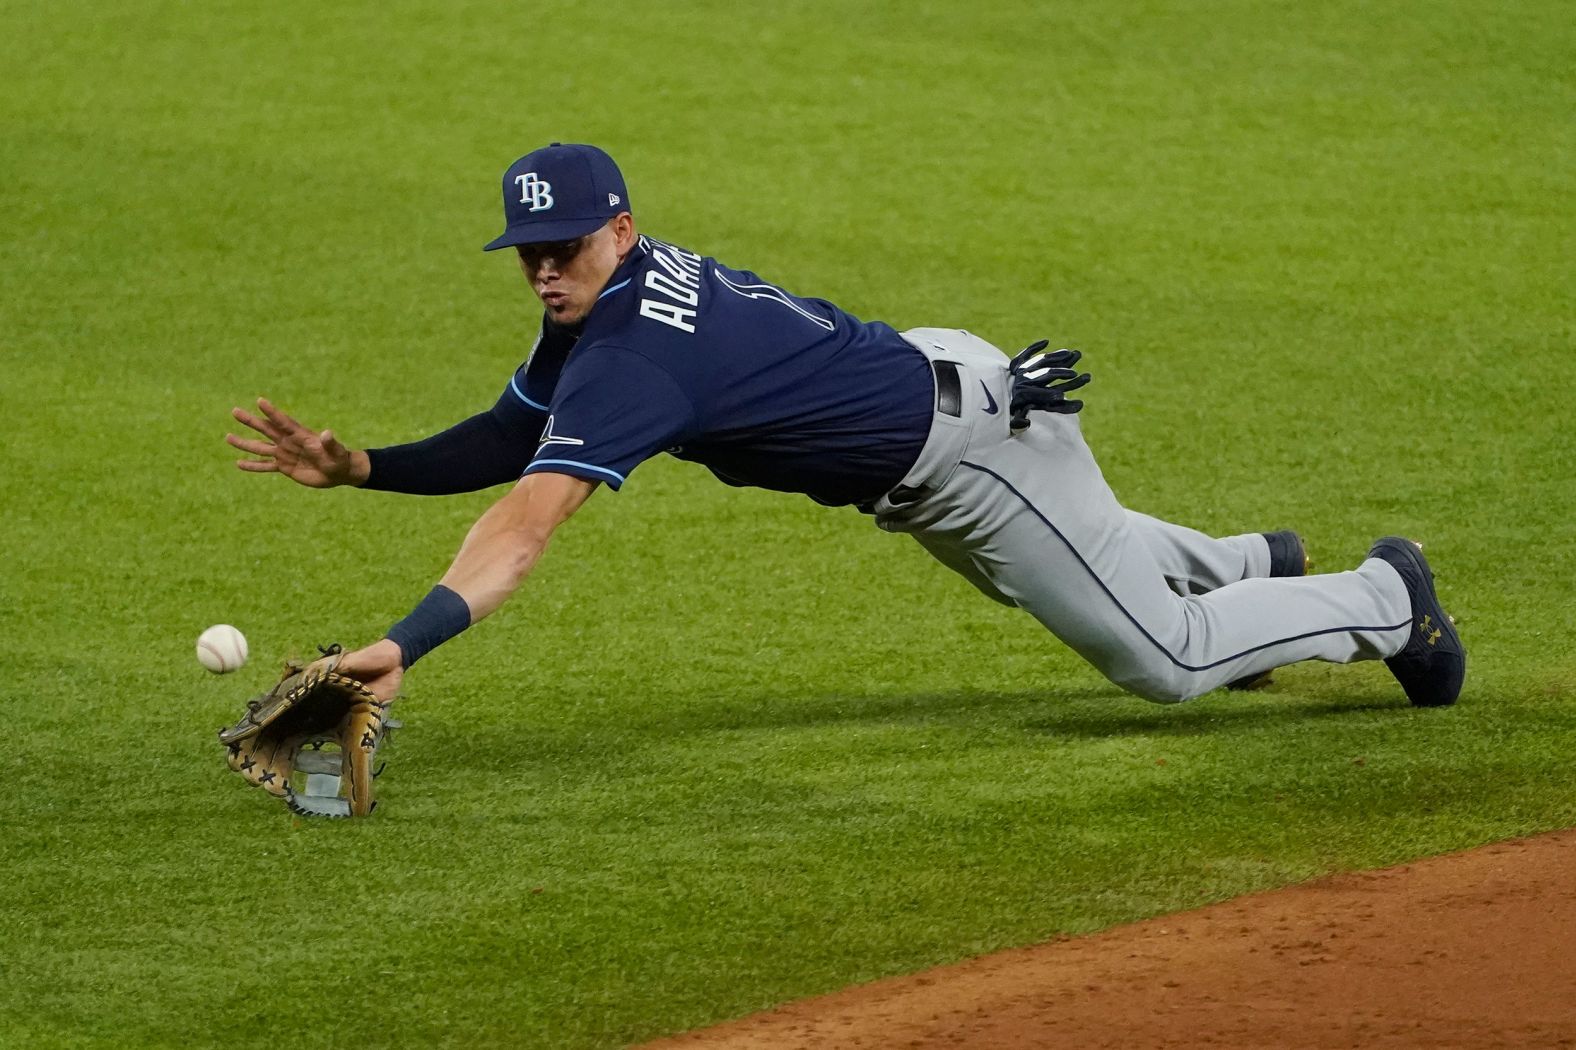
(1158,683)
(996,596)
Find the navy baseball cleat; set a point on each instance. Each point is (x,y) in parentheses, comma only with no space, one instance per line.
(1288,557)
(1433,664)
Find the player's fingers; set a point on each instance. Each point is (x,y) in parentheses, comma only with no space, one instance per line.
(1039,369)
(263,427)
(258,466)
(276,417)
(256,448)
(1028,352)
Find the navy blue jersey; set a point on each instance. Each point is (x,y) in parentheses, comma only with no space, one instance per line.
(684,355)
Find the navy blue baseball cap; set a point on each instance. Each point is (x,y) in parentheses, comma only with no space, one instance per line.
(558,193)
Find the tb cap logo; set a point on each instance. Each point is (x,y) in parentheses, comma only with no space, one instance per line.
(534,191)
(558,193)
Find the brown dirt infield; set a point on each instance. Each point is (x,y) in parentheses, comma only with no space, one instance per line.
(1474,949)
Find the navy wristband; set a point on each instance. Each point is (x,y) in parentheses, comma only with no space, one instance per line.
(439,616)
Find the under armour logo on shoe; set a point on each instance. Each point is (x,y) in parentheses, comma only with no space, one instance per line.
(1431,634)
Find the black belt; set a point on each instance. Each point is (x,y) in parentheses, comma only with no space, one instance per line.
(949,389)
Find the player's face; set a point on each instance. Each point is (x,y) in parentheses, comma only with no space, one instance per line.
(569,275)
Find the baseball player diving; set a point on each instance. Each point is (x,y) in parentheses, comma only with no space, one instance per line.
(646,348)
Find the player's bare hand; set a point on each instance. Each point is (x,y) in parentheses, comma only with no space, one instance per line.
(378,667)
(314,458)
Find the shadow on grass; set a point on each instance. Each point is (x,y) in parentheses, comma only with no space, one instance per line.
(1201,717)
(1073,714)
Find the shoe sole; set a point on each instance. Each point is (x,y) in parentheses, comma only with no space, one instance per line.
(1425,684)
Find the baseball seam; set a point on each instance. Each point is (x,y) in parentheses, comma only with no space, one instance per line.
(217,655)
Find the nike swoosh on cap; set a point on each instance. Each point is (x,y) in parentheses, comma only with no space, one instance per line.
(990,402)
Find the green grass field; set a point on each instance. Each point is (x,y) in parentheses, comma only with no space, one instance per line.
(729,748)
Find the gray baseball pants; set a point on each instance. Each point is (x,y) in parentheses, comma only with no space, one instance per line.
(1164,611)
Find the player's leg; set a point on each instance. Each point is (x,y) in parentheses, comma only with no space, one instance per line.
(1194,563)
(1191,561)
(1033,515)
(959,562)
(1065,550)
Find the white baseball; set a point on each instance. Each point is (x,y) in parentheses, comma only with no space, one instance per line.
(221,649)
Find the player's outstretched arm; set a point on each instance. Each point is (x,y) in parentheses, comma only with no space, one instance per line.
(498,554)
(316,459)
(507,541)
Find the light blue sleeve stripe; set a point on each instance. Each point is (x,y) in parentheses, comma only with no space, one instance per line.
(517,392)
(573,463)
(609,291)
